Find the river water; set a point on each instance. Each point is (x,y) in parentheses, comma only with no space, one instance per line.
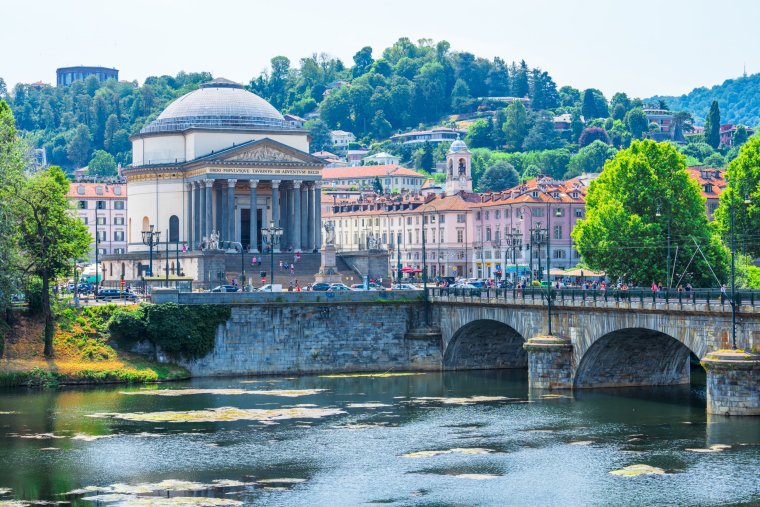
(464,438)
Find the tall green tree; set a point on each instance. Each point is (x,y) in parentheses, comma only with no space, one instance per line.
(743,181)
(102,163)
(515,125)
(590,159)
(79,146)
(11,174)
(49,235)
(637,123)
(622,234)
(426,160)
(460,96)
(320,135)
(500,176)
(712,126)
(589,105)
(479,134)
(740,135)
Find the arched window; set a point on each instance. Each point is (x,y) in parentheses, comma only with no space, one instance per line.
(145,224)
(451,168)
(173,229)
(462,169)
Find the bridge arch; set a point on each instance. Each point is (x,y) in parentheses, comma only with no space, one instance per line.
(634,357)
(485,344)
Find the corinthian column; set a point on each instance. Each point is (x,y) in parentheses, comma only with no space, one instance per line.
(318,214)
(295,237)
(189,217)
(254,246)
(230,226)
(208,222)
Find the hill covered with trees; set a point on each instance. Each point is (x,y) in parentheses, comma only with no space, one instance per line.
(507,109)
(739,101)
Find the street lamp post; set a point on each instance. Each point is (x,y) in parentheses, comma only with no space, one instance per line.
(151,238)
(733,268)
(97,240)
(668,277)
(426,299)
(167,258)
(273,233)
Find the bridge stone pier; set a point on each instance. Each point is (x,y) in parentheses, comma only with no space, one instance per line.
(598,344)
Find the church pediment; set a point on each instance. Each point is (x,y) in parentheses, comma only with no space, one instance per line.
(263,154)
(262,151)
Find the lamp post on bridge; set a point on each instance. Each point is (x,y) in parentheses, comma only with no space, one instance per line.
(273,235)
(514,242)
(747,201)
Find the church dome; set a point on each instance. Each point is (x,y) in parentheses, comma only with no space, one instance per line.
(458,146)
(218,104)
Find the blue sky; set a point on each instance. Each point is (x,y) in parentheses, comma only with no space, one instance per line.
(643,48)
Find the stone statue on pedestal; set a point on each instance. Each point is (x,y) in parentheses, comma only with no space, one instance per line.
(328,269)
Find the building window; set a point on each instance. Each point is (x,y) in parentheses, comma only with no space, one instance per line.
(173,229)
(118,236)
(460,218)
(101,205)
(101,220)
(440,235)
(579,213)
(559,212)
(488,234)
(442,219)
(537,212)
(497,214)
(408,220)
(83,219)
(82,204)
(477,215)
(460,235)
(80,190)
(118,205)
(118,221)
(559,254)
(557,232)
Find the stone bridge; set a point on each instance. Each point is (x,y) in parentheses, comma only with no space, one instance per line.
(595,343)
(605,343)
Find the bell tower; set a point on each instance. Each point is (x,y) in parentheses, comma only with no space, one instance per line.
(458,168)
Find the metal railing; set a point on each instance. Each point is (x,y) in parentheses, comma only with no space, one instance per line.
(572,295)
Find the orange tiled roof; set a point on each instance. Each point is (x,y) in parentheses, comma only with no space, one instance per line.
(716,178)
(367,171)
(90,191)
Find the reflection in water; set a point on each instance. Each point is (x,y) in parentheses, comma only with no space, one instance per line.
(432,439)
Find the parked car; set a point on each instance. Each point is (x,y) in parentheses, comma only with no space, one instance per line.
(320,287)
(85,288)
(277,287)
(504,284)
(405,286)
(109,294)
(360,286)
(335,287)
(225,288)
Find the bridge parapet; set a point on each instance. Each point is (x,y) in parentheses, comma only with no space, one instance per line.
(698,301)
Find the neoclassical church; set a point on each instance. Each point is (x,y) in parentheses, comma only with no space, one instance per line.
(220,163)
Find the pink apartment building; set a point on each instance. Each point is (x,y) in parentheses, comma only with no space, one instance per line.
(106,203)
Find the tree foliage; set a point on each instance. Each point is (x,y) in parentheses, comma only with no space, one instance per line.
(712,126)
(743,181)
(622,234)
(500,176)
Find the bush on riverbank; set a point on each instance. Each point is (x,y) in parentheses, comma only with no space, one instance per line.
(181,331)
(83,353)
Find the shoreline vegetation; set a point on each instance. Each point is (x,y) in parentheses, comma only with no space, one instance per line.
(83,352)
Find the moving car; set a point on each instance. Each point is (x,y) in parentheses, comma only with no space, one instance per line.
(320,287)
(277,287)
(109,294)
(225,288)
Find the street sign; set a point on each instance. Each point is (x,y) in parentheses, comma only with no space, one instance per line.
(122,283)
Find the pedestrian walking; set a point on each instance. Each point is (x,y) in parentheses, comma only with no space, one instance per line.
(292,269)
(280,265)
(253,260)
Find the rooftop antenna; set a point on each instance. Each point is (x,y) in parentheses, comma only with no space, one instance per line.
(744,74)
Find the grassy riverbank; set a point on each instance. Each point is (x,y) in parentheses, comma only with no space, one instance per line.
(83,353)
